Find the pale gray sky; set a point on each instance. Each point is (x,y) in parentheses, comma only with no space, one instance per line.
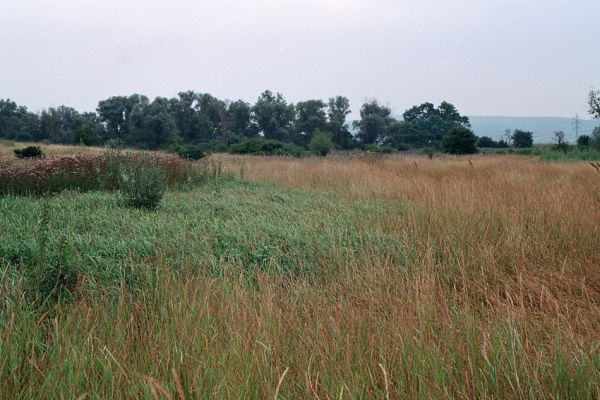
(488,57)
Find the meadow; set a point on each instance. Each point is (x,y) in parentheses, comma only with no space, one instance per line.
(345,277)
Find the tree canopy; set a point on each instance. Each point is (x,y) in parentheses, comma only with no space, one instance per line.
(201,119)
(522,139)
(425,125)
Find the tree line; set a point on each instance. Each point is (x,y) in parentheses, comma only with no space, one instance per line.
(200,118)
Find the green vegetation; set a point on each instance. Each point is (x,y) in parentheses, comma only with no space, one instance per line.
(489,143)
(522,139)
(459,140)
(570,153)
(266,147)
(200,231)
(372,284)
(29,152)
(191,152)
(108,171)
(320,144)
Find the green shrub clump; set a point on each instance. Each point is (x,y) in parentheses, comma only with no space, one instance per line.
(460,140)
(191,152)
(320,144)
(142,183)
(29,152)
(266,147)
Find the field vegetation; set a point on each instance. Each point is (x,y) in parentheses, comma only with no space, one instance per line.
(357,276)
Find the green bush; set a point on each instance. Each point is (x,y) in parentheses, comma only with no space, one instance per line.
(583,140)
(29,152)
(143,183)
(402,147)
(460,140)
(266,147)
(191,152)
(320,144)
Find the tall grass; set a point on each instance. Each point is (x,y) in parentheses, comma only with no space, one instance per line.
(86,171)
(573,153)
(344,278)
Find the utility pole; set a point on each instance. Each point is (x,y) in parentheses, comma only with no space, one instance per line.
(576,123)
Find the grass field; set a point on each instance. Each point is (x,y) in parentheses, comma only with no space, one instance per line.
(360,277)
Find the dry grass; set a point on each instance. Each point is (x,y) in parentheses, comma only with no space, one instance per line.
(513,232)
(496,296)
(50,150)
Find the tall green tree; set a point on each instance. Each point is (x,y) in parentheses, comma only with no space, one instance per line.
(17,123)
(338,109)
(274,116)
(151,125)
(114,113)
(186,116)
(239,114)
(310,117)
(425,125)
(59,124)
(375,123)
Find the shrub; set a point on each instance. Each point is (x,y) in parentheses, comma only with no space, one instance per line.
(583,140)
(266,147)
(489,143)
(191,152)
(460,140)
(143,183)
(320,144)
(387,149)
(522,139)
(29,152)
(402,147)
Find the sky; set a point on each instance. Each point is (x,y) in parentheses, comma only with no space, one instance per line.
(487,57)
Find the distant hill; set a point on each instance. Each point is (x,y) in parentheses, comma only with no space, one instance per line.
(543,128)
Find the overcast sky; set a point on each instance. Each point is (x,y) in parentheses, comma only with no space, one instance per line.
(488,57)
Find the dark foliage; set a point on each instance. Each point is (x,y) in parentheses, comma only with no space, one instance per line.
(522,139)
(459,140)
(266,147)
(29,152)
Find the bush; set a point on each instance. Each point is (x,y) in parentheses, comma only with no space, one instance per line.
(29,152)
(489,143)
(191,152)
(402,147)
(459,140)
(522,139)
(266,147)
(583,140)
(143,183)
(320,144)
